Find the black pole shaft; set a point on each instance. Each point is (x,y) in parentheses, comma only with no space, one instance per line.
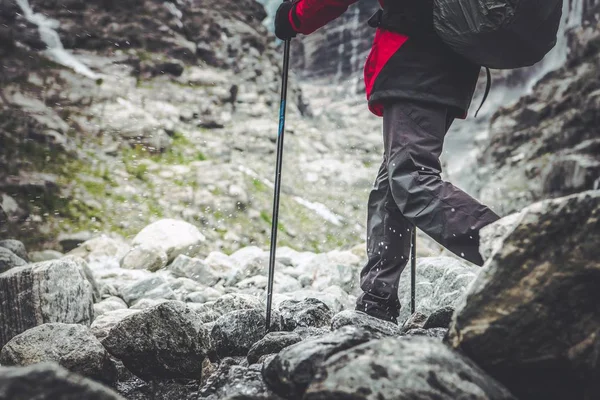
(275,219)
(413,268)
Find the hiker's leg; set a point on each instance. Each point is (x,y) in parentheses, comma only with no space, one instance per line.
(413,138)
(388,249)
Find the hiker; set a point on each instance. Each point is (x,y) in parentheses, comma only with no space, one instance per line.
(419,86)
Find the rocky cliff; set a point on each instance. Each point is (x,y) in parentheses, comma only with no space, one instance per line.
(115,115)
(546,144)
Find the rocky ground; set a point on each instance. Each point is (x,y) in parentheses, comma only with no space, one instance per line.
(151,319)
(165,126)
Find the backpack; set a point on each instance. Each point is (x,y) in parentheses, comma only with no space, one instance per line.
(499,34)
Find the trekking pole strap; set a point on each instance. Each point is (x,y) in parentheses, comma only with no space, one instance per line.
(488,86)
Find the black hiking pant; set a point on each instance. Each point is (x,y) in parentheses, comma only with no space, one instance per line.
(409,191)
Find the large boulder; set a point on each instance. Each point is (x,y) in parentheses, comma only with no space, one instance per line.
(48,381)
(440,282)
(145,256)
(9,260)
(235,332)
(531,319)
(403,369)
(105,322)
(231,381)
(165,341)
(52,291)
(272,343)
(291,371)
(173,236)
(71,346)
(304,313)
(366,321)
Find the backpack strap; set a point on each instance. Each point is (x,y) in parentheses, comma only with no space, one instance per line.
(488,86)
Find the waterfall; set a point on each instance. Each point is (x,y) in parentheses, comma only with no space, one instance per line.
(572,18)
(55,50)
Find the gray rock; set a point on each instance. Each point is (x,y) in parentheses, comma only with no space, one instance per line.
(308,312)
(195,269)
(235,332)
(273,342)
(145,257)
(439,333)
(105,322)
(415,321)
(133,388)
(71,346)
(232,381)
(100,247)
(143,304)
(110,304)
(365,321)
(9,260)
(16,247)
(49,381)
(291,371)
(403,369)
(52,291)
(236,301)
(439,318)
(441,282)
(492,236)
(155,287)
(531,318)
(166,341)
(310,332)
(173,236)
(44,255)
(208,316)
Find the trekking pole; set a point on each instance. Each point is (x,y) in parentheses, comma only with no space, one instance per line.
(284,82)
(413,268)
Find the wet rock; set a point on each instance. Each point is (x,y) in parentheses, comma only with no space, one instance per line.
(335,297)
(17,247)
(441,282)
(440,318)
(48,381)
(105,322)
(365,321)
(492,236)
(293,369)
(195,269)
(272,343)
(531,317)
(232,381)
(235,302)
(174,237)
(164,342)
(110,304)
(52,291)
(415,321)
(71,346)
(134,388)
(145,257)
(403,368)
(9,260)
(237,331)
(309,312)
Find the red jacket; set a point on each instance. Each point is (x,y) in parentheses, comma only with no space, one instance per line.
(426,71)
